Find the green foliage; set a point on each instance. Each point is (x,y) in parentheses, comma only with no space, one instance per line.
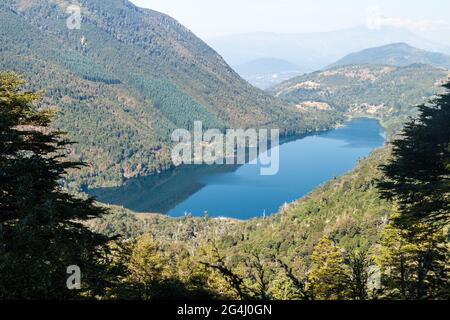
(360,264)
(415,248)
(126,80)
(41,227)
(282,243)
(414,267)
(388,93)
(328,278)
(159,271)
(83,67)
(348,209)
(418,177)
(123,83)
(178,107)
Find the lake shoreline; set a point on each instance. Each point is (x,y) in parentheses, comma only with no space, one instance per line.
(166,192)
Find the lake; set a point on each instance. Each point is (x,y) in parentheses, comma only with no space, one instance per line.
(240,191)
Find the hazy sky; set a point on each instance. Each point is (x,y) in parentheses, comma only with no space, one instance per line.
(209,18)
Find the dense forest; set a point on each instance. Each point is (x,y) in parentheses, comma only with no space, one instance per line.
(126,80)
(378,232)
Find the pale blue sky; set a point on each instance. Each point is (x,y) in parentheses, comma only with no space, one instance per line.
(209,18)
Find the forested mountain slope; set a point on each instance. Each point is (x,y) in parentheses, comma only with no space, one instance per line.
(386,92)
(126,79)
(348,239)
(347,209)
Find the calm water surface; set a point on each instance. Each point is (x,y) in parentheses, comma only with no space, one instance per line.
(241,192)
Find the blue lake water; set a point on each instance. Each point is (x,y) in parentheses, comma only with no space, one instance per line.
(241,192)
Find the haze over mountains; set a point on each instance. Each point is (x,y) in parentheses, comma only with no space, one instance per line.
(396,54)
(266,72)
(314,51)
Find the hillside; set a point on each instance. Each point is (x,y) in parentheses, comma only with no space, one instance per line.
(343,241)
(127,79)
(348,209)
(385,92)
(396,54)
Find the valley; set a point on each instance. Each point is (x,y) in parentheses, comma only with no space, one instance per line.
(122,90)
(356,209)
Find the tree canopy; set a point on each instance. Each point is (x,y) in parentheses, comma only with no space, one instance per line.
(418,177)
(42,231)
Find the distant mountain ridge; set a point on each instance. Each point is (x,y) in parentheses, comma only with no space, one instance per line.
(396,54)
(313,51)
(266,66)
(266,72)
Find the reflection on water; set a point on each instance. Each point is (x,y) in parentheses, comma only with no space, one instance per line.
(161,192)
(241,192)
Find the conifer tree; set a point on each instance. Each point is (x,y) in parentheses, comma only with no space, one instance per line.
(414,267)
(418,177)
(42,231)
(359,263)
(328,277)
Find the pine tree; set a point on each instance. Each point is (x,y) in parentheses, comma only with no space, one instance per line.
(359,263)
(42,231)
(415,251)
(418,177)
(147,269)
(414,267)
(328,278)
